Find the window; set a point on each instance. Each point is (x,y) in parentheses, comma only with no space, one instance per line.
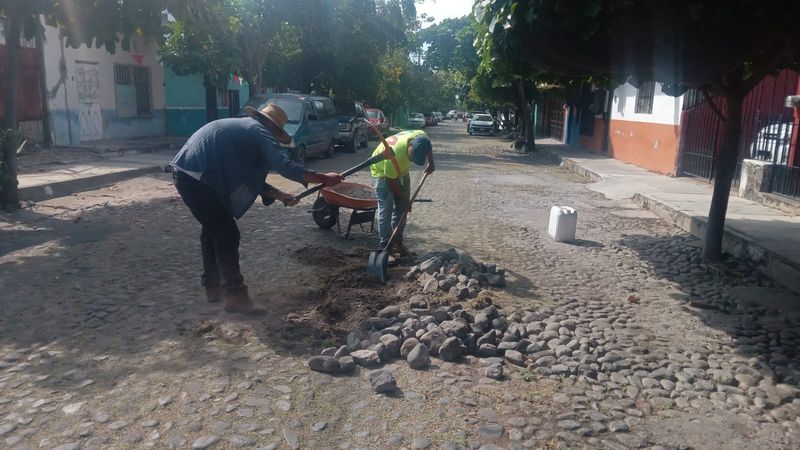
(320,109)
(644,98)
(132,86)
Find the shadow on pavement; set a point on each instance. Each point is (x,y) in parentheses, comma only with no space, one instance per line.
(732,299)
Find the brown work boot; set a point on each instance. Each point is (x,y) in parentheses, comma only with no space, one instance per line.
(399,248)
(214,294)
(238,301)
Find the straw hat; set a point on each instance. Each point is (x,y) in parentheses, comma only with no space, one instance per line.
(274,114)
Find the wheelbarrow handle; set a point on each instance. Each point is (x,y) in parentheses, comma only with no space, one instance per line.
(350,171)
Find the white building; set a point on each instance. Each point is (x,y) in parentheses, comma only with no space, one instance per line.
(95,95)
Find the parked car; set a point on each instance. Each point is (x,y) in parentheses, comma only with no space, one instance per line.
(773,143)
(377,118)
(468,117)
(452,114)
(416,120)
(352,128)
(439,117)
(430,121)
(481,123)
(311,123)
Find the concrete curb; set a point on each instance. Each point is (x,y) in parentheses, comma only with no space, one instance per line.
(41,192)
(783,271)
(575,167)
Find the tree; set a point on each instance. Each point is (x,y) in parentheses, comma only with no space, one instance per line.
(722,49)
(510,77)
(103,23)
(203,41)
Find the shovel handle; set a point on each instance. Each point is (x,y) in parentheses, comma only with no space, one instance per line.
(388,151)
(405,213)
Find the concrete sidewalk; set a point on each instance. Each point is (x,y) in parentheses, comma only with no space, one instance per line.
(767,237)
(47,181)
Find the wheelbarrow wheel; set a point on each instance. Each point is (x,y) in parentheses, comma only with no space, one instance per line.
(325,215)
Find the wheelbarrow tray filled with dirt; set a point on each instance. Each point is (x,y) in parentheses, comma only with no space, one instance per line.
(350,195)
(359,198)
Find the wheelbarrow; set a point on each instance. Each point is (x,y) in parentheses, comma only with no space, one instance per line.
(358,198)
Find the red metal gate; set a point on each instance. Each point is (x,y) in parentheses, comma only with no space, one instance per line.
(701,128)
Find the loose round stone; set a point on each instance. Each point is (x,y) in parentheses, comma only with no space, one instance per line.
(205,441)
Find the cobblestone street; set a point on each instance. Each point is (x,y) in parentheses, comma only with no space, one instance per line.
(107,341)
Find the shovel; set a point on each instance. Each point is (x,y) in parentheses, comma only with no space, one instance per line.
(379,259)
(388,153)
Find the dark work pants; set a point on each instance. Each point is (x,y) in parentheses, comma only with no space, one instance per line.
(219,239)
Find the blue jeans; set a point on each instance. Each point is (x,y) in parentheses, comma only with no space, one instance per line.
(390,208)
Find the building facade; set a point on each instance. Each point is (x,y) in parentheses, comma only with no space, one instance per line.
(190,105)
(682,136)
(95,95)
(31,101)
(645,126)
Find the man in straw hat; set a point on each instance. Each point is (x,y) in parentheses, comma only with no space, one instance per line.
(219,173)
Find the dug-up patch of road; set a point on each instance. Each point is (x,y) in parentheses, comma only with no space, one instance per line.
(106,341)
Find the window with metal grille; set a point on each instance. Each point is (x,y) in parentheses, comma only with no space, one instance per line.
(132,85)
(644,98)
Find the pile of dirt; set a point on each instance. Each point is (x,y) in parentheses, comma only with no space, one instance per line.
(348,296)
(308,318)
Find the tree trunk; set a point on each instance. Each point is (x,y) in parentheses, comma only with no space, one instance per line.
(522,103)
(47,128)
(9,197)
(725,170)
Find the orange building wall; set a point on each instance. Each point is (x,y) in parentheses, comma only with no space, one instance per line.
(594,143)
(650,145)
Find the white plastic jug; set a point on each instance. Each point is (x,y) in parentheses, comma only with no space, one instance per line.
(563,222)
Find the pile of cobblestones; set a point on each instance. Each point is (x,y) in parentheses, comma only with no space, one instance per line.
(455,273)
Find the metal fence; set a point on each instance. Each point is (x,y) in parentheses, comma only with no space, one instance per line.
(776,141)
(786,181)
(701,127)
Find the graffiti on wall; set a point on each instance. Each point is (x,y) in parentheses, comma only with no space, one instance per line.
(87,85)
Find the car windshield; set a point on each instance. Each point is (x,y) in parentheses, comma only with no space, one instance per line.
(292,107)
(417,116)
(483,118)
(372,114)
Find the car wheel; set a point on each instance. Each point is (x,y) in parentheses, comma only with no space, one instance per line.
(325,215)
(300,155)
(470,133)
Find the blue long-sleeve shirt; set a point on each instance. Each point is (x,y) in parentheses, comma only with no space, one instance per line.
(233,157)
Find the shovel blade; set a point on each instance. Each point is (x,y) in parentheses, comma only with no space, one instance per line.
(378,263)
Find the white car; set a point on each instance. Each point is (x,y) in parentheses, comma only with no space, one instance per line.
(773,143)
(481,123)
(416,120)
(451,115)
